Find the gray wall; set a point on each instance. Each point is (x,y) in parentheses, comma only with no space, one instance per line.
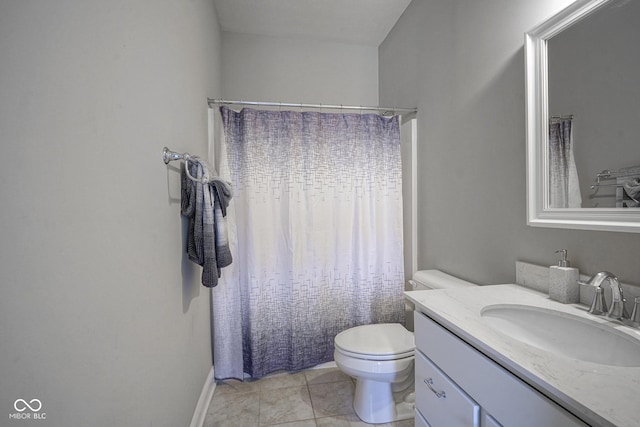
(462,64)
(101,317)
(295,70)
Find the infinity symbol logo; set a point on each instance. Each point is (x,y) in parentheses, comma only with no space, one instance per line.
(24,405)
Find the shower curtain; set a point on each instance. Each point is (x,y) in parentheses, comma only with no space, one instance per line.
(318,236)
(564,186)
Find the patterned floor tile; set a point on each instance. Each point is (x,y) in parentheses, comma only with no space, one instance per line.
(233,410)
(321,376)
(282,405)
(313,398)
(305,423)
(342,421)
(282,381)
(235,386)
(332,398)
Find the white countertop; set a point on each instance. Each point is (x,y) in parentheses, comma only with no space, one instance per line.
(600,395)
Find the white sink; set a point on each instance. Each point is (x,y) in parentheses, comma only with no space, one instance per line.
(564,334)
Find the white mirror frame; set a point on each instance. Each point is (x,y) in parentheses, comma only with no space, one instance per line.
(539,214)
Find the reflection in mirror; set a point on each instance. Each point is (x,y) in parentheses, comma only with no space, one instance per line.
(594,110)
(564,185)
(583,105)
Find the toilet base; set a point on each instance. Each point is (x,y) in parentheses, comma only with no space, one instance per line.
(375,403)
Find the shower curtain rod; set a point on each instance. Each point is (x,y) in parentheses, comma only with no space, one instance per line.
(212,101)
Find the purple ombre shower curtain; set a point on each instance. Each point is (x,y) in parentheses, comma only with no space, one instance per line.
(318,245)
(564,185)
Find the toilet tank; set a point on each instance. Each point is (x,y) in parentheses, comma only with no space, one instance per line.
(430,279)
(436,279)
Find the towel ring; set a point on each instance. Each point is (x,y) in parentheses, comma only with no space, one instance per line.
(169,156)
(205,177)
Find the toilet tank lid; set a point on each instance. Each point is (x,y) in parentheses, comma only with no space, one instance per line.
(436,279)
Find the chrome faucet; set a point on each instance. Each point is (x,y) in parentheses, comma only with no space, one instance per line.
(598,305)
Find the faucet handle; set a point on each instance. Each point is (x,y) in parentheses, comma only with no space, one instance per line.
(635,314)
(617,310)
(598,305)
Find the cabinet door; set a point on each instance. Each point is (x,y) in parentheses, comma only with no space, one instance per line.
(420,421)
(440,400)
(507,398)
(487,420)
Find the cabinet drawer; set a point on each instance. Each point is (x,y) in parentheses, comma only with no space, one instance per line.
(440,400)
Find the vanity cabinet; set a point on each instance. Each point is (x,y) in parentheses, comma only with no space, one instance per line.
(456,385)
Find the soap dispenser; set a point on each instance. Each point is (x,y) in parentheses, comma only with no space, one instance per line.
(563,280)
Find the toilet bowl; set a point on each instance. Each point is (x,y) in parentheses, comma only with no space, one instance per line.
(381,359)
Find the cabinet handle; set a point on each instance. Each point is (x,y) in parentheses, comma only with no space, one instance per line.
(439,394)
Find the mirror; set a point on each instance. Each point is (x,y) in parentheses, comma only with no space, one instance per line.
(583,117)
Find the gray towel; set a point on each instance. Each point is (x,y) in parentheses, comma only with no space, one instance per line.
(202,204)
(222,194)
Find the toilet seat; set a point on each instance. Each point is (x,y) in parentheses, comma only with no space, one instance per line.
(383,341)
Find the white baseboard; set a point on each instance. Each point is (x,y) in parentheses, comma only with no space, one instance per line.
(206,394)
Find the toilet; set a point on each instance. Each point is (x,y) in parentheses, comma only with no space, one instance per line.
(381,357)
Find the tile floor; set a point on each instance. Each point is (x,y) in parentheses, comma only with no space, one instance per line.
(313,398)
